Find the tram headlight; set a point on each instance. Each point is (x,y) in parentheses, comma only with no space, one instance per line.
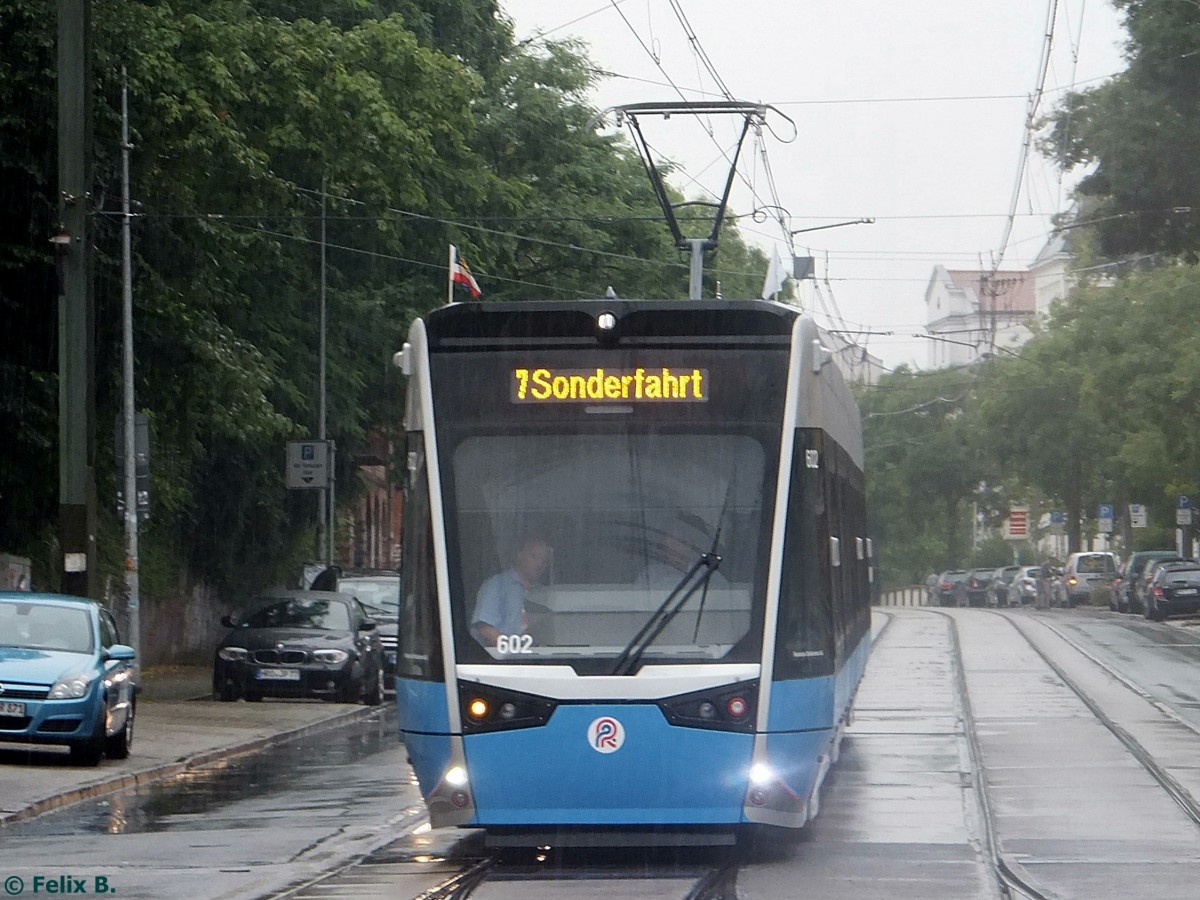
(491,708)
(478,709)
(727,708)
(762,775)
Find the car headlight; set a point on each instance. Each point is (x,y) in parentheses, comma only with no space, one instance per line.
(331,657)
(233,654)
(72,687)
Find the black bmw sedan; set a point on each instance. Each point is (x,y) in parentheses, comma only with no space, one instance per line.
(300,644)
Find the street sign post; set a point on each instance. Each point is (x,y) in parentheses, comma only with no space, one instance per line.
(1183,510)
(1105,518)
(1018,523)
(307,465)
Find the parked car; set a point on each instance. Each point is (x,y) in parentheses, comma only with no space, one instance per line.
(1023,588)
(1001,579)
(975,589)
(1084,572)
(379,593)
(1142,586)
(1126,598)
(947,586)
(67,679)
(1173,590)
(300,644)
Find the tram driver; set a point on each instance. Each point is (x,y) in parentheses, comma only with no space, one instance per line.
(500,603)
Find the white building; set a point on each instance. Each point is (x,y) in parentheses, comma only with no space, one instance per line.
(973,314)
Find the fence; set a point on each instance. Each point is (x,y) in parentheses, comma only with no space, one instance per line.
(913,595)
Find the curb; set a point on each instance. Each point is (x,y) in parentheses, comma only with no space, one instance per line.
(185,764)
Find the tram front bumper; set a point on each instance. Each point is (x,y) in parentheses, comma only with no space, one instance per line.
(608,764)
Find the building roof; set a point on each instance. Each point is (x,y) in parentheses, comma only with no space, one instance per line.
(1001,291)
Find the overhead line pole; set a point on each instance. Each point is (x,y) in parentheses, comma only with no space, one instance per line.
(132,601)
(76,312)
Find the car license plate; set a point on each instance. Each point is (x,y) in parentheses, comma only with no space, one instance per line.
(12,709)
(277,674)
(1185,592)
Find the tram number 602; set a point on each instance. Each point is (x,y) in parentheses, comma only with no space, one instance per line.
(514,643)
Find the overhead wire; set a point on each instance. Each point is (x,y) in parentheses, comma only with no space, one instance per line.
(1030,122)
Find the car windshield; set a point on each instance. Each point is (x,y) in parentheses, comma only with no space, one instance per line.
(45,627)
(1184,576)
(308,613)
(1095,565)
(380,594)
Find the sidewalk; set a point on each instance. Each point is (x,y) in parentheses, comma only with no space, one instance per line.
(175,731)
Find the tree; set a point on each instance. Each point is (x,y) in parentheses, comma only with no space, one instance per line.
(427,125)
(1141,131)
(923,465)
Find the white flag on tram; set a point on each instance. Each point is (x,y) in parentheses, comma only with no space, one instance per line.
(776,275)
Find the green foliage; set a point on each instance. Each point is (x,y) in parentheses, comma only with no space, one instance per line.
(426,124)
(1141,130)
(1101,407)
(923,466)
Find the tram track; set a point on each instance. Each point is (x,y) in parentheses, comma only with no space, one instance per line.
(1010,880)
(717,883)
(1176,791)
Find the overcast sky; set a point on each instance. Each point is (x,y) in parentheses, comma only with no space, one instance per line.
(911,112)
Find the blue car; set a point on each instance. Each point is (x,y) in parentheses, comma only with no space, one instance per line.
(65,678)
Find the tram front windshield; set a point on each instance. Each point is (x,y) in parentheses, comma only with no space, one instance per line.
(569,530)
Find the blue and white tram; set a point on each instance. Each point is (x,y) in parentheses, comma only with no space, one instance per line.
(619,435)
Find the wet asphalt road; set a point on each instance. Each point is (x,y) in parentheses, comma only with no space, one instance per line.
(903,814)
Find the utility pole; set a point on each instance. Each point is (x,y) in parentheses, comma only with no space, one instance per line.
(132,602)
(324,495)
(76,313)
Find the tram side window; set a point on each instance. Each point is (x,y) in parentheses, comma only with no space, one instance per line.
(420,653)
(804,646)
(848,585)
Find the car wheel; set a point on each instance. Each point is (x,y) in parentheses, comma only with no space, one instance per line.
(351,691)
(374,695)
(119,745)
(226,691)
(88,751)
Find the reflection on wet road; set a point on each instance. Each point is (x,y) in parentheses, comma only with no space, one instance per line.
(336,814)
(245,827)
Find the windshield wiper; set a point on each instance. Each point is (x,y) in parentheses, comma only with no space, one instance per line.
(666,613)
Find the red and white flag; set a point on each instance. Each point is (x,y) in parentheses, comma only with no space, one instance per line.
(460,275)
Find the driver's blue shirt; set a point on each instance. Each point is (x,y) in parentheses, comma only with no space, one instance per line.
(501,604)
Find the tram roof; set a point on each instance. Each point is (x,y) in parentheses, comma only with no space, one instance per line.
(635,318)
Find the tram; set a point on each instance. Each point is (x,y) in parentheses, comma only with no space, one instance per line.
(636,571)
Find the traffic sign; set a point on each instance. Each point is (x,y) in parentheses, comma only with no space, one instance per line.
(308,464)
(1105,518)
(1139,515)
(1018,522)
(1183,516)
(1183,502)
